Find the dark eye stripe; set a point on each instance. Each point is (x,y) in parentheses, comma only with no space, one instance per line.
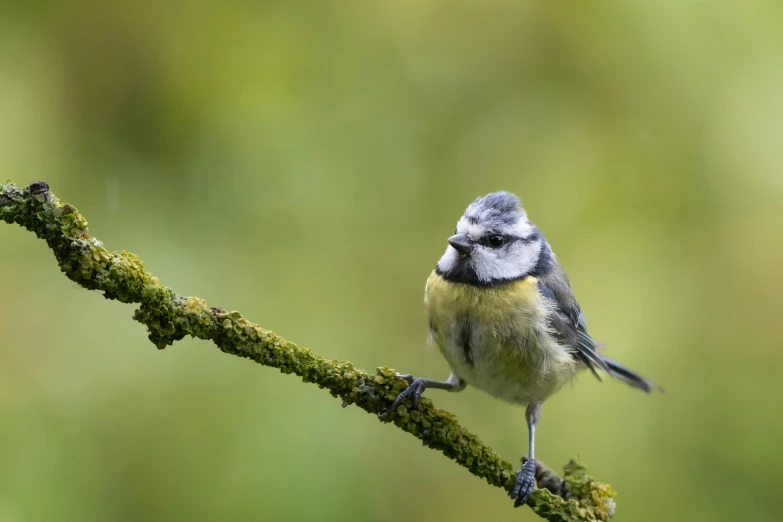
(487,239)
(508,238)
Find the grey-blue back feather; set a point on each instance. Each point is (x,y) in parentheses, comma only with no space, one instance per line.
(570,325)
(568,321)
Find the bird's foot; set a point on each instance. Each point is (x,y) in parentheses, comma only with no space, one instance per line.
(414,390)
(525,483)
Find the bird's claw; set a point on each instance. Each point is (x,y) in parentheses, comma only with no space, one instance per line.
(525,483)
(407,376)
(414,390)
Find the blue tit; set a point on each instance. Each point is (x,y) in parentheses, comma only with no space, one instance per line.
(502,313)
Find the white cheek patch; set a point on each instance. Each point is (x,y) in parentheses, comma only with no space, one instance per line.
(516,261)
(486,264)
(449,260)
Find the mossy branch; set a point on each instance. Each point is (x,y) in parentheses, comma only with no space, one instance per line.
(170,317)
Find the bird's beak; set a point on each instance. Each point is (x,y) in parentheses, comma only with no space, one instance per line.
(461,244)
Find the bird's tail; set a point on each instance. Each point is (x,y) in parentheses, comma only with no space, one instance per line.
(624,374)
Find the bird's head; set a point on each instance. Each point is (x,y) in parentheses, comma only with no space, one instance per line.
(494,243)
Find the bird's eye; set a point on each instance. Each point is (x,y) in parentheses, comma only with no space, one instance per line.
(495,241)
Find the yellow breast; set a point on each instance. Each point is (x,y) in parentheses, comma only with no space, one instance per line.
(497,339)
(445,299)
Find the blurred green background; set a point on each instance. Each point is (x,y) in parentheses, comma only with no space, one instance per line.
(304,162)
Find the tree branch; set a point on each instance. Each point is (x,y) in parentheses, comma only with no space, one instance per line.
(170,317)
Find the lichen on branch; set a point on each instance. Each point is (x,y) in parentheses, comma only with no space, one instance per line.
(169,317)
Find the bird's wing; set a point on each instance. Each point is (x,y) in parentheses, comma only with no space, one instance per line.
(568,322)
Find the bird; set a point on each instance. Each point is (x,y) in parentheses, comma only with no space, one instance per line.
(502,313)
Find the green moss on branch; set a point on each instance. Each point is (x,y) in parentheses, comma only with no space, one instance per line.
(170,317)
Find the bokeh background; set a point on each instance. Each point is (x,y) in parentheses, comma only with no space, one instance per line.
(304,162)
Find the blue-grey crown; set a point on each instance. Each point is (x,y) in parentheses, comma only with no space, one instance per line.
(498,207)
